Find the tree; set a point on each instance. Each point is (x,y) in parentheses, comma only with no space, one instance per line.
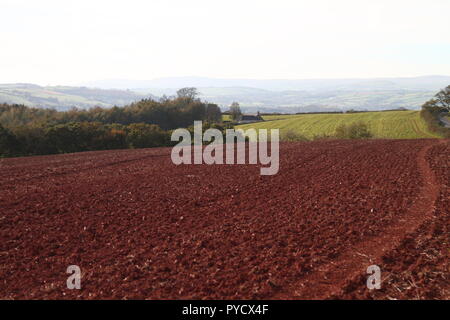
(188,93)
(33,140)
(213,113)
(67,137)
(441,100)
(235,111)
(8,142)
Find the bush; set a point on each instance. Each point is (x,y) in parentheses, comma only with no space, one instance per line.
(291,135)
(322,137)
(113,137)
(141,135)
(357,130)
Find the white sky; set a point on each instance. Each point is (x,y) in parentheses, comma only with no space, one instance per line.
(68,42)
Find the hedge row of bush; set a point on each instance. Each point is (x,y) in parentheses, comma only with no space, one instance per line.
(79,136)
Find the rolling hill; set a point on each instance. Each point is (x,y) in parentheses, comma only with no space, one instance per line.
(64,97)
(432,82)
(297,95)
(287,96)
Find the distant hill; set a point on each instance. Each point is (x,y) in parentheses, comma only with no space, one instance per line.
(64,97)
(287,96)
(293,96)
(424,83)
(293,101)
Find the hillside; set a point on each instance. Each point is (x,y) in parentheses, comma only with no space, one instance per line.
(432,83)
(296,95)
(293,101)
(287,96)
(65,97)
(387,124)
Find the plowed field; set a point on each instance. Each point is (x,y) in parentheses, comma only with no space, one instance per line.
(140,227)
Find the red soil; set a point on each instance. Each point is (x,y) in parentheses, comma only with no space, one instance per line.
(419,267)
(140,227)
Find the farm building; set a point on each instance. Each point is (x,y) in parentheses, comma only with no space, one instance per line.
(249,118)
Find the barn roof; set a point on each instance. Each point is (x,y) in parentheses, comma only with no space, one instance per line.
(250,117)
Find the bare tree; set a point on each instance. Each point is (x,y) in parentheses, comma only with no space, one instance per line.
(442,98)
(188,92)
(235,111)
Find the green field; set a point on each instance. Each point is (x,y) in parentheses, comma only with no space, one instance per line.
(386,124)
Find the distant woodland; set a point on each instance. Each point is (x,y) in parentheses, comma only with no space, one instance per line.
(147,123)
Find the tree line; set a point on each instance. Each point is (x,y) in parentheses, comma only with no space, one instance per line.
(79,136)
(167,113)
(147,123)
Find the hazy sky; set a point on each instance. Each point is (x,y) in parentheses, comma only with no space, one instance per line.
(68,42)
